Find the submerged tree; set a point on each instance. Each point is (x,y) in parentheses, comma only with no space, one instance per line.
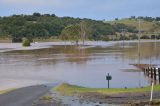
(71,32)
(75,32)
(83,31)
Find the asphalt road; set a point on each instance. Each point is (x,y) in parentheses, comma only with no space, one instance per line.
(23,96)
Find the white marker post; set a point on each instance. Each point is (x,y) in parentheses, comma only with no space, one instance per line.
(152,91)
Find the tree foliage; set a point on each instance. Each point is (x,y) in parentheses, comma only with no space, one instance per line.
(71,32)
(49,25)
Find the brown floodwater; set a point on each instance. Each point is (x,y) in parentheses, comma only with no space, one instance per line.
(80,66)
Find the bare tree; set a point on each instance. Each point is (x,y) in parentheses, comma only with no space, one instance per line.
(83,31)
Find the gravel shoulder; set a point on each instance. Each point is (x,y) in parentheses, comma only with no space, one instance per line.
(97,99)
(127,98)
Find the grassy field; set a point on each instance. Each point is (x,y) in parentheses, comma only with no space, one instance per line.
(145,25)
(67,89)
(5,91)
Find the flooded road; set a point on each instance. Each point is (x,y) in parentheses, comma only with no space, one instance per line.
(84,66)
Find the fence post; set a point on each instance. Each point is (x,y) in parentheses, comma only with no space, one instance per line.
(155,74)
(151,73)
(148,71)
(159,74)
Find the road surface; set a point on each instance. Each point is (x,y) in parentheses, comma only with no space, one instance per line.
(23,96)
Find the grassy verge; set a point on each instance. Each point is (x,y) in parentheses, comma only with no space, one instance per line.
(47,97)
(67,89)
(6,91)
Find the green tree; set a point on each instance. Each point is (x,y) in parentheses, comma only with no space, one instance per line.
(71,32)
(45,25)
(83,31)
(133,36)
(37,14)
(144,37)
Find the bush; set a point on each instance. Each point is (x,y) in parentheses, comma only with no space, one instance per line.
(105,38)
(158,37)
(145,37)
(153,36)
(124,38)
(133,37)
(26,42)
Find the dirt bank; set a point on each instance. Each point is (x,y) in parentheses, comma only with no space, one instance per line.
(126,98)
(97,99)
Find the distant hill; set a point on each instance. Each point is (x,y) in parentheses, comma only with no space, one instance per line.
(46,26)
(146,26)
(49,26)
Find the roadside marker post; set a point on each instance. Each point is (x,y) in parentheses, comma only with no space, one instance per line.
(108,78)
(152,92)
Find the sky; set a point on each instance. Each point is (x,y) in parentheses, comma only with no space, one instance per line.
(94,9)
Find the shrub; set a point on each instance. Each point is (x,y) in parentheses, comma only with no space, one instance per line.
(145,37)
(26,42)
(105,38)
(133,36)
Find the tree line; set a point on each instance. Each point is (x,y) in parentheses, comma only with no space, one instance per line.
(49,25)
(146,18)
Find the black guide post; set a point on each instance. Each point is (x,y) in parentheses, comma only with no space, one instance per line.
(151,73)
(108,78)
(148,71)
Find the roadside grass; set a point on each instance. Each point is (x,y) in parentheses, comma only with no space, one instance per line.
(67,89)
(6,91)
(47,97)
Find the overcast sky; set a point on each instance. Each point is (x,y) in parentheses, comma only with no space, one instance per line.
(94,9)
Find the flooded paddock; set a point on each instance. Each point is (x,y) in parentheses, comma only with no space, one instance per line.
(84,66)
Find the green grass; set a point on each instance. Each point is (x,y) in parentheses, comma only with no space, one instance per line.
(6,91)
(145,25)
(47,97)
(67,89)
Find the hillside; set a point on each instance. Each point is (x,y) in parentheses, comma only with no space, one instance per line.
(46,26)
(49,25)
(146,26)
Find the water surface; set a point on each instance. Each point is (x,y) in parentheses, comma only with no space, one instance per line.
(80,66)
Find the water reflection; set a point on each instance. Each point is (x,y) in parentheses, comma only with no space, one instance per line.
(148,52)
(81,66)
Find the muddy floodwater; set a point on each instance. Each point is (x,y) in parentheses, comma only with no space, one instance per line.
(85,66)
